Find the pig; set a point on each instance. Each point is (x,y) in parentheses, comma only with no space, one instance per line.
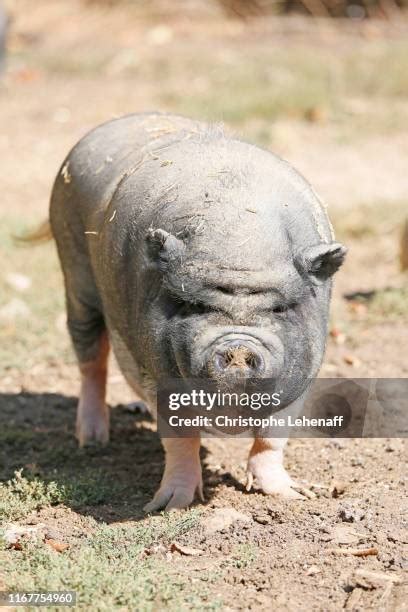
(193,255)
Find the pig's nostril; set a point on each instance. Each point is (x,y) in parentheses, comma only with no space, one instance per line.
(238,357)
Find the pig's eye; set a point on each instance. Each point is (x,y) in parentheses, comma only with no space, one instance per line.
(282,308)
(189,308)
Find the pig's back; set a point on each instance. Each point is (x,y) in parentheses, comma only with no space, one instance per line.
(121,151)
(106,156)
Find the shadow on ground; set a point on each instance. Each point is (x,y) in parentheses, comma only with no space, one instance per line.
(109,483)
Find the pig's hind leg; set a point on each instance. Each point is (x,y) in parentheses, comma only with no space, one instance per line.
(88,332)
(90,339)
(92,423)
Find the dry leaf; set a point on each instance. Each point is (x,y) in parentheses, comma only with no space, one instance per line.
(351,360)
(337,335)
(185,550)
(58,546)
(358,308)
(316,114)
(357,552)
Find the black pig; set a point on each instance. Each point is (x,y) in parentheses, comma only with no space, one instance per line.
(194,255)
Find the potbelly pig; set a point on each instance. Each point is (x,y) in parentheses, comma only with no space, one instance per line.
(180,245)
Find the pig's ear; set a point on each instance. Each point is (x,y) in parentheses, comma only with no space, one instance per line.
(322,260)
(163,247)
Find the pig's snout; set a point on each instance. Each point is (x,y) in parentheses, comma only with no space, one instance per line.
(238,357)
(241,352)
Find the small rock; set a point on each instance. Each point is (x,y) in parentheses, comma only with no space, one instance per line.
(397,534)
(368,579)
(348,514)
(274,514)
(337,487)
(51,534)
(14,533)
(138,406)
(357,462)
(336,443)
(155,549)
(222,518)
(313,570)
(262,519)
(344,534)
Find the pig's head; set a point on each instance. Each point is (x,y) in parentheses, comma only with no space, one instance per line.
(239,275)
(227,310)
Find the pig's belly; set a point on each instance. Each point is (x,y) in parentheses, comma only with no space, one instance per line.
(130,370)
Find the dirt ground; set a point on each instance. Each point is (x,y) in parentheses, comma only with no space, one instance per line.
(341,118)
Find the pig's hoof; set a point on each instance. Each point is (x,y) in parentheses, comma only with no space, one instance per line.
(174,494)
(274,480)
(92,428)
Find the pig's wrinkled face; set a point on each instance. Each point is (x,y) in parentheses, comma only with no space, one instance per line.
(224,318)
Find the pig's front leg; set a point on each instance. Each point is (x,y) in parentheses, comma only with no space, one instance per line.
(265,467)
(182,477)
